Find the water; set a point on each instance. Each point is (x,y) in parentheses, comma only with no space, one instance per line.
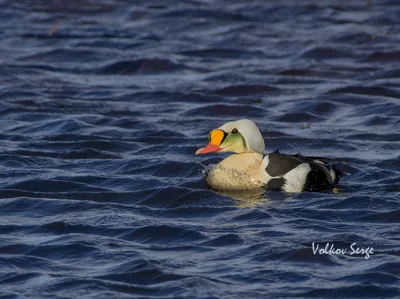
(103,104)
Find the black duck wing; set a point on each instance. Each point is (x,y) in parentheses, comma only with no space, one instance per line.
(322,175)
(313,173)
(334,173)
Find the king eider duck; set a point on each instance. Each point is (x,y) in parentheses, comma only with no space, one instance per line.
(248,168)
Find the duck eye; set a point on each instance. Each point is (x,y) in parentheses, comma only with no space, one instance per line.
(234,131)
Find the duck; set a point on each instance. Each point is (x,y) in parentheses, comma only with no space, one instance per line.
(248,167)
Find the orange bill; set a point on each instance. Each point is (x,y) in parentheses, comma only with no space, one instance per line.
(216,138)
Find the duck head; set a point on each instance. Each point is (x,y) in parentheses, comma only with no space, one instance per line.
(241,136)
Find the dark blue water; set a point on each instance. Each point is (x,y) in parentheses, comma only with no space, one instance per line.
(103,104)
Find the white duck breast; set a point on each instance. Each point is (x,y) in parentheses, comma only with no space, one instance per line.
(248,168)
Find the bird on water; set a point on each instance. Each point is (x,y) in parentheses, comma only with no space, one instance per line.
(249,168)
